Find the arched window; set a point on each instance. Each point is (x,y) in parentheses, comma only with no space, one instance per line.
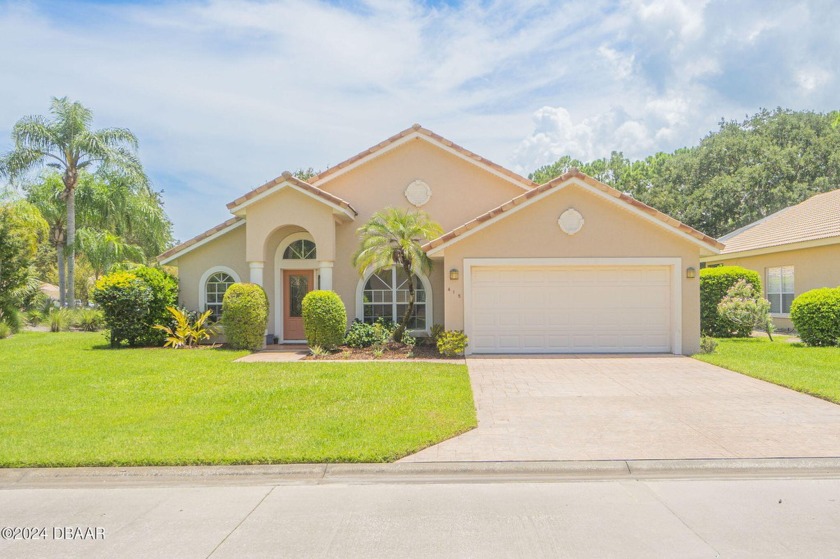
(386,296)
(302,249)
(214,290)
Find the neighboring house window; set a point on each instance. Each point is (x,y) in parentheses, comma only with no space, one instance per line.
(780,289)
(215,289)
(300,250)
(386,296)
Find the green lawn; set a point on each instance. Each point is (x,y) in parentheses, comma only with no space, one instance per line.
(813,370)
(68,400)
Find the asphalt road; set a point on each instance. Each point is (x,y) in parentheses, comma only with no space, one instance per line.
(621,517)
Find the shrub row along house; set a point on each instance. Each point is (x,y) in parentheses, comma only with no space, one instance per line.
(568,266)
(794,250)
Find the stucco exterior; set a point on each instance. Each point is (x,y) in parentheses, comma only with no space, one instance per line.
(610,231)
(329,211)
(814,267)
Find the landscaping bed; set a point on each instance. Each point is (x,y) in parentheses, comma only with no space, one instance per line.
(386,351)
(812,370)
(69,400)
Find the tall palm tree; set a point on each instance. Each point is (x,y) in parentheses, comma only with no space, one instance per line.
(393,237)
(66,142)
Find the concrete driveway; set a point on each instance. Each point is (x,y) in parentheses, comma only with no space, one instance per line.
(640,407)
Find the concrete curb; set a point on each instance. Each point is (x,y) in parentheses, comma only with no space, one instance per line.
(419,472)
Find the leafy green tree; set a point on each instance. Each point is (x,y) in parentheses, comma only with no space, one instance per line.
(393,237)
(14,267)
(741,173)
(66,142)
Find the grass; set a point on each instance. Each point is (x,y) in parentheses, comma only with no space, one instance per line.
(812,370)
(67,400)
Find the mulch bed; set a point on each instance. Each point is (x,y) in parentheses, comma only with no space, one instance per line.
(389,351)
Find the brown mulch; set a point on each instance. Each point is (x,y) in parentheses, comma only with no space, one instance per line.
(389,351)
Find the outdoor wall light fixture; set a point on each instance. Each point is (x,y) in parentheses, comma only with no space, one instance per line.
(691,273)
(453,274)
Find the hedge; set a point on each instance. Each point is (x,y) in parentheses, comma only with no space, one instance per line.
(125,300)
(816,316)
(714,283)
(164,294)
(324,319)
(245,316)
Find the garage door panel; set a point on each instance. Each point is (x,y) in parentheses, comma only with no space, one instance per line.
(571,309)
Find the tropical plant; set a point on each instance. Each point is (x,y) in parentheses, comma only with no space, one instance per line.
(746,309)
(5,330)
(184,333)
(66,143)
(394,237)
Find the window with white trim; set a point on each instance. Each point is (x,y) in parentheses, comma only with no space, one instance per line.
(386,296)
(215,288)
(780,289)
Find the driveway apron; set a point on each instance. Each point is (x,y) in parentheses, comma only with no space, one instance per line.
(641,407)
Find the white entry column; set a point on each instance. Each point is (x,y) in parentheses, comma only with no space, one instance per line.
(257,272)
(325,272)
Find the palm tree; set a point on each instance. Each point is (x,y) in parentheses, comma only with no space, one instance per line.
(103,249)
(393,237)
(46,195)
(66,142)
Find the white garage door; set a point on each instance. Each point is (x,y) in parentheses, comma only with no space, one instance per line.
(570,309)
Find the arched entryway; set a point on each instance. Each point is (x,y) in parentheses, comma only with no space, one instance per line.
(297,271)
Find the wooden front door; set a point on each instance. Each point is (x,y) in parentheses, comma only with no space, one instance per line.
(296,284)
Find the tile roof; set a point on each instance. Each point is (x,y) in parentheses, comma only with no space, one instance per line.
(572,173)
(288,177)
(816,218)
(198,238)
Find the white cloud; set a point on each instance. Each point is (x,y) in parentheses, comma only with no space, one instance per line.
(227,94)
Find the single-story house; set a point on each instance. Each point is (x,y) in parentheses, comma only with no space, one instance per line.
(794,250)
(570,266)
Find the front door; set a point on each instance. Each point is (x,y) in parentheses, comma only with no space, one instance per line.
(296,284)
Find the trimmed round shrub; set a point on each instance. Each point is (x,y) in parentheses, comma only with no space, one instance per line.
(324,319)
(164,289)
(124,299)
(816,316)
(245,316)
(714,284)
(744,307)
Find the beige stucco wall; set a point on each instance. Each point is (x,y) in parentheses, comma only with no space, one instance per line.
(609,231)
(812,268)
(460,191)
(227,250)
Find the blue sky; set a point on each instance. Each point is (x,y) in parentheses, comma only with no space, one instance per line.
(225,95)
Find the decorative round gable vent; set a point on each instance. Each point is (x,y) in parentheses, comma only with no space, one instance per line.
(570,221)
(418,193)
